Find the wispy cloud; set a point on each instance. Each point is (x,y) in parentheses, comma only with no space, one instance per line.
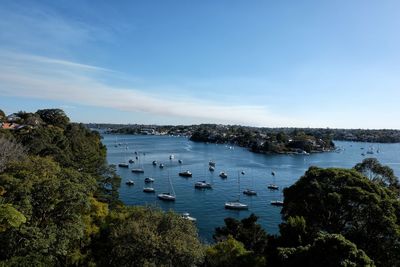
(54,79)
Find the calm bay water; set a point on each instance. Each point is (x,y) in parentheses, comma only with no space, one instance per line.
(208,205)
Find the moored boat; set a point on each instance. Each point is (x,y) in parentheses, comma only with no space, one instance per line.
(187,216)
(236,205)
(250,192)
(277,203)
(202,185)
(166,196)
(149,190)
(185,174)
(148,180)
(223,175)
(130,182)
(123,165)
(273,187)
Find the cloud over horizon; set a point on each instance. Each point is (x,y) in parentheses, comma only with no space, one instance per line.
(40,77)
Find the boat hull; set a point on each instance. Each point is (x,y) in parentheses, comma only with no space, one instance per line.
(236,206)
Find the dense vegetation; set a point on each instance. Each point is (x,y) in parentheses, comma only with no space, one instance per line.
(59,207)
(356,135)
(59,203)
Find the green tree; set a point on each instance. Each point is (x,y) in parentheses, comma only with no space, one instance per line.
(345,202)
(54,201)
(140,236)
(378,173)
(231,252)
(246,231)
(54,117)
(329,250)
(2,116)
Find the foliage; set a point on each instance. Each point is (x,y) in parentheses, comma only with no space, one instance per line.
(247,231)
(378,173)
(231,252)
(10,151)
(53,200)
(347,203)
(140,236)
(2,116)
(329,250)
(10,217)
(55,117)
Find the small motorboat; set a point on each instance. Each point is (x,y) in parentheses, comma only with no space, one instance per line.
(171,156)
(273,187)
(161,165)
(250,192)
(148,180)
(138,170)
(154,163)
(166,197)
(236,205)
(123,165)
(211,168)
(202,185)
(243,173)
(273,173)
(185,174)
(211,163)
(130,182)
(149,190)
(131,161)
(186,216)
(277,203)
(223,175)
(180,161)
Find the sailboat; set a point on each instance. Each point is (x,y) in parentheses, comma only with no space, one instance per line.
(236,205)
(140,168)
(123,164)
(273,186)
(223,175)
(187,216)
(277,203)
(148,188)
(168,196)
(130,182)
(203,184)
(186,174)
(250,192)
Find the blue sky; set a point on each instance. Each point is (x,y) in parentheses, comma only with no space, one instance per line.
(264,63)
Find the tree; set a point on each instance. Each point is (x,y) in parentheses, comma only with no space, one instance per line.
(231,252)
(345,202)
(54,201)
(247,231)
(10,151)
(2,116)
(378,173)
(328,250)
(140,236)
(54,117)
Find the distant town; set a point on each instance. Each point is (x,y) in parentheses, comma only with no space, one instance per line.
(260,139)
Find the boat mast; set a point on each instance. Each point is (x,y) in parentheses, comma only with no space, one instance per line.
(239,186)
(170,183)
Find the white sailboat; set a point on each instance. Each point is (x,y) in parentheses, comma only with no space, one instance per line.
(236,205)
(250,192)
(273,186)
(139,169)
(168,196)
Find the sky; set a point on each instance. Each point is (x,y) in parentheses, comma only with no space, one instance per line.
(260,63)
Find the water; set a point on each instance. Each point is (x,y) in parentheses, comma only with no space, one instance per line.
(208,205)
